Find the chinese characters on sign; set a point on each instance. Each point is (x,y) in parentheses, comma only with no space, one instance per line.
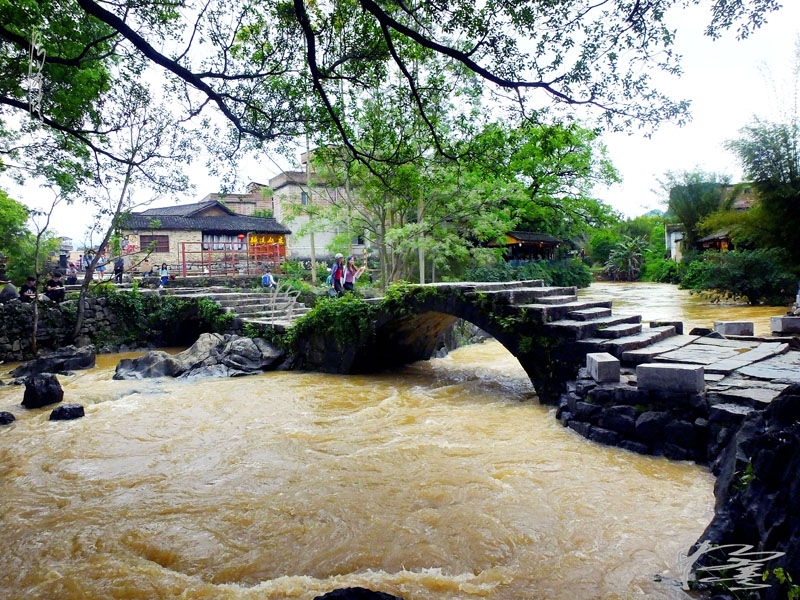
(36,61)
(256,239)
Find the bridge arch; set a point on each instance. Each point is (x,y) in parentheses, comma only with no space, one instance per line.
(409,324)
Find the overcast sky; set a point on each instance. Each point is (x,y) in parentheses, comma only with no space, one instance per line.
(727,82)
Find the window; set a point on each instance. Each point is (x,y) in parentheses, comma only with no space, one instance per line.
(161,242)
(303,198)
(223,242)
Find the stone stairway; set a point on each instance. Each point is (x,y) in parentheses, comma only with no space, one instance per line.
(278,308)
(590,324)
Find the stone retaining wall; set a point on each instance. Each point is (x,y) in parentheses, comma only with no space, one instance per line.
(55,325)
(677,425)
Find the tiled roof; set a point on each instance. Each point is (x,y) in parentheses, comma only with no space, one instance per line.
(222,224)
(530,236)
(184,210)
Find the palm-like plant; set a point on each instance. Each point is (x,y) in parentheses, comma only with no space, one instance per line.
(626,258)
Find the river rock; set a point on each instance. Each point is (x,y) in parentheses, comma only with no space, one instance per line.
(212,355)
(6,417)
(68,358)
(356,593)
(156,363)
(41,390)
(758,488)
(67,412)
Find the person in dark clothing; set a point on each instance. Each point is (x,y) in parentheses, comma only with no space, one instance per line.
(28,291)
(54,288)
(119,269)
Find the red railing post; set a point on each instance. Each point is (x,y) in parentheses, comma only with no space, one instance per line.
(183,257)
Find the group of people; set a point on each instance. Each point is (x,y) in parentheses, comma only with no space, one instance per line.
(344,275)
(54,289)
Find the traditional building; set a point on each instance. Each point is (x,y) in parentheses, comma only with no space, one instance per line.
(290,192)
(527,245)
(205,238)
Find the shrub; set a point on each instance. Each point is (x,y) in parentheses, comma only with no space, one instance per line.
(697,275)
(759,275)
(569,273)
(661,270)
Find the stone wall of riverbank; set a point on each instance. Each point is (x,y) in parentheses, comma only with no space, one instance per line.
(679,426)
(113,321)
(56,322)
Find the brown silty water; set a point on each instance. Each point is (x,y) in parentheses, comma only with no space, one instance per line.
(441,480)
(665,302)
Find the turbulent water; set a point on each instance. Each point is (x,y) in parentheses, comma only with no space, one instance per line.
(662,301)
(442,480)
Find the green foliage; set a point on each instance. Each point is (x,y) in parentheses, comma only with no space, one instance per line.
(344,319)
(770,155)
(696,275)
(761,275)
(743,478)
(663,270)
(214,315)
(692,196)
(262,214)
(602,243)
(140,316)
(559,273)
(626,259)
(250,330)
(785,580)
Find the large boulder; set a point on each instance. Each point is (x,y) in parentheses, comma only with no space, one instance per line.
(65,359)
(153,364)
(6,417)
(758,491)
(67,412)
(212,355)
(41,390)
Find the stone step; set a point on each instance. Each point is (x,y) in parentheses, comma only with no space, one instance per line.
(618,331)
(556,291)
(245,302)
(647,354)
(554,312)
(619,346)
(587,314)
(557,299)
(297,309)
(578,330)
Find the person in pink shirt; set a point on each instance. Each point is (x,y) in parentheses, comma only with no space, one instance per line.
(351,273)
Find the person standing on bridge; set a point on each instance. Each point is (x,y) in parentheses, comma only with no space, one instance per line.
(351,273)
(337,274)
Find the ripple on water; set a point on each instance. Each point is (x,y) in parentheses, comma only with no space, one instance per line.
(435,481)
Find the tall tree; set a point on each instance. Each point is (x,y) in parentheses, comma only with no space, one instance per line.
(770,154)
(149,153)
(692,196)
(241,58)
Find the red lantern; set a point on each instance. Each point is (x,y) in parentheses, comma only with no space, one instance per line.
(240,236)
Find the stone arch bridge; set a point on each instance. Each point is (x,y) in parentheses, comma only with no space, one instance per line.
(546,328)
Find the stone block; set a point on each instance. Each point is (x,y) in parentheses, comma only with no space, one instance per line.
(650,425)
(586,412)
(678,325)
(579,427)
(637,447)
(602,366)
(673,377)
(785,324)
(621,419)
(603,436)
(734,327)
